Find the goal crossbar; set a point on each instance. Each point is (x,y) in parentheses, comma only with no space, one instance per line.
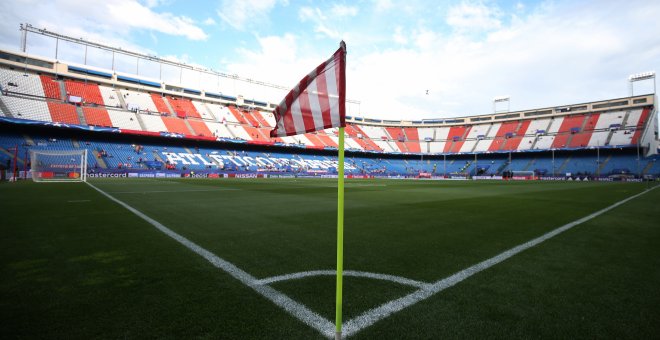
(58,165)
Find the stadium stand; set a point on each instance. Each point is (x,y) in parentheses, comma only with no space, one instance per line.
(238,115)
(152,122)
(570,126)
(97,116)
(34,96)
(28,108)
(582,138)
(89,92)
(330,141)
(200,128)
(238,132)
(203,110)
(63,113)
(183,107)
(259,115)
(176,125)
(456,138)
(250,118)
(110,97)
(25,83)
(138,100)
(124,119)
(51,87)
(161,106)
(222,113)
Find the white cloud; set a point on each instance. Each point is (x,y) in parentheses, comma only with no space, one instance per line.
(110,22)
(382,5)
(344,11)
(209,22)
(310,14)
(238,13)
(326,25)
(399,36)
(426,39)
(539,60)
(473,17)
(133,14)
(278,60)
(325,30)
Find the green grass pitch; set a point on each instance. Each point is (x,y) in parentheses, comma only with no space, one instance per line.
(74,264)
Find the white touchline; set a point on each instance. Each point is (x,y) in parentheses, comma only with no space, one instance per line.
(294,308)
(370,317)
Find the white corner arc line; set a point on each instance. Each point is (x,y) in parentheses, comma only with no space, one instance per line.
(374,315)
(350,273)
(302,313)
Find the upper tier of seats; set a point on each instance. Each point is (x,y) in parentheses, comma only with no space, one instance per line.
(38,97)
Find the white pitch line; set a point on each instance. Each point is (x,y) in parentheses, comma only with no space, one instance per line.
(374,315)
(302,313)
(352,273)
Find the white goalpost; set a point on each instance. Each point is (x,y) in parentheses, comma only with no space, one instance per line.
(58,165)
(523,174)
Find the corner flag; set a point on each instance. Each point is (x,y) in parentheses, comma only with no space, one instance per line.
(318,102)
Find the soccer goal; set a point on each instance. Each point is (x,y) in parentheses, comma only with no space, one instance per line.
(523,175)
(59,166)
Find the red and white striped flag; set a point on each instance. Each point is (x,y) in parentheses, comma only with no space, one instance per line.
(318,102)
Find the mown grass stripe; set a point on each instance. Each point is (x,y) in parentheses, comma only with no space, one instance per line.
(294,308)
(374,315)
(169,191)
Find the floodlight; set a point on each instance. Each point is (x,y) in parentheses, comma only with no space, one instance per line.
(641,76)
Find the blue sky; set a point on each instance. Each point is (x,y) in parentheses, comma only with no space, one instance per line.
(465,53)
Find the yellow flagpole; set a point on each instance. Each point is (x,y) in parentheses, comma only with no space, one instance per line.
(340,233)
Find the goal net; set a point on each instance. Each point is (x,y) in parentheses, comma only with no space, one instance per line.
(59,166)
(523,175)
